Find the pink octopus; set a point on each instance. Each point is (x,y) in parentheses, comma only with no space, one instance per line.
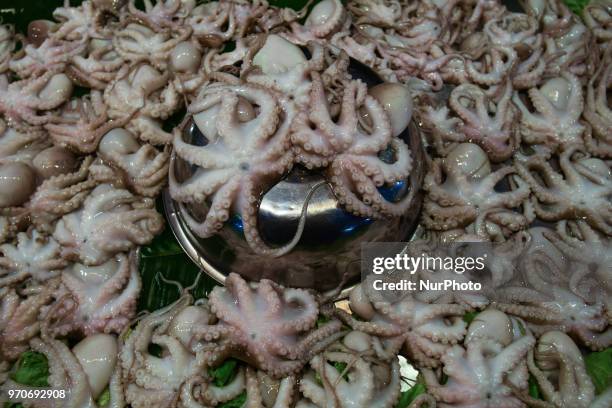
(475,118)
(246,151)
(542,295)
(110,221)
(96,299)
(20,316)
(582,187)
(597,112)
(425,331)
(271,327)
(81,123)
(558,105)
(140,93)
(349,148)
(142,168)
(59,195)
(22,101)
(488,369)
(461,192)
(34,257)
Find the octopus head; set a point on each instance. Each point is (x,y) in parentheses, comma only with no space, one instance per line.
(551,345)
(118,140)
(183,323)
(97,355)
(38,31)
(323,12)
(469,159)
(59,87)
(491,324)
(54,161)
(185,57)
(17,183)
(278,55)
(557,91)
(397,102)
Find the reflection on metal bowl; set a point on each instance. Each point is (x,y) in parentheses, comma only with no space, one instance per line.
(330,244)
(328,253)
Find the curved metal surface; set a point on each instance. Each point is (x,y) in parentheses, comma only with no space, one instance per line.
(330,245)
(328,253)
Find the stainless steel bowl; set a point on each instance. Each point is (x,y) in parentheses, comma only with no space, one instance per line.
(330,245)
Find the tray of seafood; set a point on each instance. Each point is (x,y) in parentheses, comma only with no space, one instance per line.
(235,203)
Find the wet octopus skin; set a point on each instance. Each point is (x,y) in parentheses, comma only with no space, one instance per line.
(279,339)
(434,327)
(548,300)
(34,257)
(110,221)
(350,152)
(143,168)
(546,52)
(96,299)
(488,369)
(468,195)
(582,187)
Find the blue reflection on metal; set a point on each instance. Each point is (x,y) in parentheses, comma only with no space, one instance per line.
(236,223)
(394,192)
(352,223)
(348,223)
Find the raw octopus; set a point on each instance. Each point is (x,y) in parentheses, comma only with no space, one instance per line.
(515,114)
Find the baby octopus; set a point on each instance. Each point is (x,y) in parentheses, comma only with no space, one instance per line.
(350,146)
(582,188)
(487,369)
(558,367)
(20,311)
(592,254)
(34,257)
(84,371)
(558,104)
(461,191)
(59,195)
(478,119)
(51,55)
(425,331)
(110,221)
(81,123)
(177,377)
(597,112)
(142,168)
(540,294)
(245,152)
(270,327)
(22,100)
(95,299)
(139,42)
(367,381)
(142,92)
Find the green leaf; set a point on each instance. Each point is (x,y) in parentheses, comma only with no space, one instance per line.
(599,367)
(237,402)
(407,397)
(32,369)
(576,5)
(534,388)
(13,405)
(225,373)
(470,316)
(321,320)
(164,260)
(104,398)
